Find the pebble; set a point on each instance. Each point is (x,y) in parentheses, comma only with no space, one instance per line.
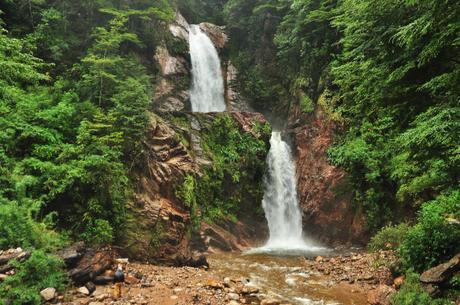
(83,290)
(48,294)
(233,296)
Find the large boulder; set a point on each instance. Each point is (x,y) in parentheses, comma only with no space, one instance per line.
(441,273)
(92,264)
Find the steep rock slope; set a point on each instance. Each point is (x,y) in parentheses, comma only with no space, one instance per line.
(324,193)
(161,225)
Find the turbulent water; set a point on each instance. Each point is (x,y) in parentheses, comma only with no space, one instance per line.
(207,92)
(280,203)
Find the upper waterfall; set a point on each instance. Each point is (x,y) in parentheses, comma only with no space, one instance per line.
(207,92)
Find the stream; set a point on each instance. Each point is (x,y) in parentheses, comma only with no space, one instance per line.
(285,278)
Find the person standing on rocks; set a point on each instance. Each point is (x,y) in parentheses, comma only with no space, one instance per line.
(118,279)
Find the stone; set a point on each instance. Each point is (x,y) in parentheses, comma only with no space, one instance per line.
(195,260)
(270,302)
(441,273)
(214,284)
(91,265)
(131,279)
(381,295)
(227,282)
(233,302)
(83,290)
(250,290)
(431,289)
(91,287)
(319,259)
(398,281)
(101,297)
(169,65)
(233,296)
(318,178)
(85,301)
(96,303)
(3,277)
(48,294)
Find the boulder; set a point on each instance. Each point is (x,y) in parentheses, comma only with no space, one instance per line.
(441,273)
(71,255)
(48,294)
(196,260)
(380,296)
(91,265)
(91,287)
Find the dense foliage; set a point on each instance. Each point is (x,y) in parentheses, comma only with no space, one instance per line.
(73,100)
(233,184)
(75,85)
(40,271)
(388,74)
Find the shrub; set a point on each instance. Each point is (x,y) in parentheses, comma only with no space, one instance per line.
(38,272)
(18,229)
(434,239)
(98,232)
(306,104)
(389,237)
(412,293)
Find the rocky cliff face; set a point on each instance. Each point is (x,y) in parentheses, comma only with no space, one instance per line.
(324,193)
(160,226)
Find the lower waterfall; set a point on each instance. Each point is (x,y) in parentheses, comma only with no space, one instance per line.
(280,202)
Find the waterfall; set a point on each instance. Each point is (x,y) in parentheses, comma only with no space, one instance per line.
(280,199)
(207,92)
(281,205)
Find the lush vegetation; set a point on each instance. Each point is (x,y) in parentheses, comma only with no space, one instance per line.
(38,272)
(387,72)
(73,100)
(75,84)
(233,184)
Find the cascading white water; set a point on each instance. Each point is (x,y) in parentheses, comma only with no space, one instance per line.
(207,92)
(281,205)
(280,199)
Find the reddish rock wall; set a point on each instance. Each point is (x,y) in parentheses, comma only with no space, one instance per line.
(325,195)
